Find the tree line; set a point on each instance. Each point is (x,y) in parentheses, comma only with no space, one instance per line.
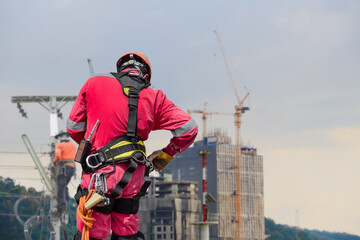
(11,228)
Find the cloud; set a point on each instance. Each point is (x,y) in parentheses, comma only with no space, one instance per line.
(315,171)
(344,136)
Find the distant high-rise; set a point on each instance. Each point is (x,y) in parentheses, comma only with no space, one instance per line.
(221,185)
(169,211)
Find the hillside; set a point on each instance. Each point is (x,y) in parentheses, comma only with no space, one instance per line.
(276,231)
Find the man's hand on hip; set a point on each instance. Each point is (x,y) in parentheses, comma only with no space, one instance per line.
(159,159)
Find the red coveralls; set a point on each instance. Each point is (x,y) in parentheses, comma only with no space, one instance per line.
(102,98)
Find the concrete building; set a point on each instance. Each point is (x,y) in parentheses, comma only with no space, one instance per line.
(169,210)
(221,185)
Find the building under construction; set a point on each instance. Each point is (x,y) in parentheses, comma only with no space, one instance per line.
(169,210)
(221,185)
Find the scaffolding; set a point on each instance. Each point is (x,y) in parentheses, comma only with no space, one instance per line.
(221,172)
(252,193)
(169,209)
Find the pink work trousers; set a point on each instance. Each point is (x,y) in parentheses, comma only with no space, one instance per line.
(120,224)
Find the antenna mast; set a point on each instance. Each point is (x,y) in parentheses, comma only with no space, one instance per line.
(91,67)
(53,107)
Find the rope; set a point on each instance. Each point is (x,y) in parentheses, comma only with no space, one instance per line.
(85,215)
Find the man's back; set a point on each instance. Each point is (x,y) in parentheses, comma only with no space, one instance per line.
(102,98)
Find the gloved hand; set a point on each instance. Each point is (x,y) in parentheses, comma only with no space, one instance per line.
(159,159)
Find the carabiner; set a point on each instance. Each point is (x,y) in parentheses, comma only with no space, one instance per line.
(100,182)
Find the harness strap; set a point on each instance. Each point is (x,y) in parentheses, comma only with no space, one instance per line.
(131,88)
(124,180)
(126,205)
(140,235)
(147,182)
(114,236)
(122,205)
(119,150)
(133,107)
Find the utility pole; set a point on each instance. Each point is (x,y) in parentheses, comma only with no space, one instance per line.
(206,197)
(53,104)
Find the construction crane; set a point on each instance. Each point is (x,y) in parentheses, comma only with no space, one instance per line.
(239,110)
(204,116)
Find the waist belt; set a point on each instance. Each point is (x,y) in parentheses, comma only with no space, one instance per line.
(64,162)
(117,151)
(120,205)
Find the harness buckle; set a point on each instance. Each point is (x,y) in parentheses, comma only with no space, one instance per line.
(150,165)
(142,160)
(93,158)
(133,94)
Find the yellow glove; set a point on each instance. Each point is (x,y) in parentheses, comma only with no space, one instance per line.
(159,159)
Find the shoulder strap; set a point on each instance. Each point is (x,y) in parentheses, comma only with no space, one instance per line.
(131,88)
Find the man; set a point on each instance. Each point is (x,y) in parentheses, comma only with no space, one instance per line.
(65,169)
(120,110)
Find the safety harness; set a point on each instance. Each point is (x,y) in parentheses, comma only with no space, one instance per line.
(127,148)
(119,150)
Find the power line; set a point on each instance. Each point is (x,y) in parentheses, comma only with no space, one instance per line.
(31,179)
(17,196)
(13,152)
(13,165)
(16,166)
(8,152)
(14,215)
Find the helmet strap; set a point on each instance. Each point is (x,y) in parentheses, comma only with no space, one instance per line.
(146,77)
(136,72)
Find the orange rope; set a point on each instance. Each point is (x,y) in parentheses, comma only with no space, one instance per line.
(85,215)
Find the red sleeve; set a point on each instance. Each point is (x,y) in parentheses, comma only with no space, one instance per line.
(76,124)
(182,126)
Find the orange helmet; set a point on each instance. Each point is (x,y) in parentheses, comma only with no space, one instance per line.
(137,56)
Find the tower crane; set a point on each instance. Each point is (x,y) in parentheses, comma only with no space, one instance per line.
(204,116)
(239,110)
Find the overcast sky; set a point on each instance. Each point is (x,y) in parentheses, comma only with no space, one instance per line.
(299,60)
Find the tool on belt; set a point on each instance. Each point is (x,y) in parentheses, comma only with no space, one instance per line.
(98,198)
(84,148)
